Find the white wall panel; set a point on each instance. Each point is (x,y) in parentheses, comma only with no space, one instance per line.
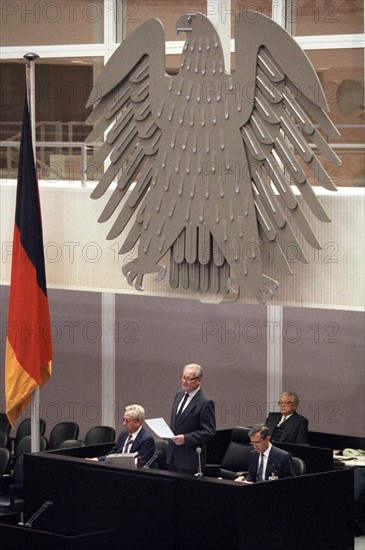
(79,257)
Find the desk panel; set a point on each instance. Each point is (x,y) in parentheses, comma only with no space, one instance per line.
(317,459)
(91,496)
(165,510)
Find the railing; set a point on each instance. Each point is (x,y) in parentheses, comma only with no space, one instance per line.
(56,161)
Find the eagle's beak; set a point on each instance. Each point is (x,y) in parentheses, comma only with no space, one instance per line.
(184,23)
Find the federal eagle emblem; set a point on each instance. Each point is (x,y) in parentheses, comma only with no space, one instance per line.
(209,165)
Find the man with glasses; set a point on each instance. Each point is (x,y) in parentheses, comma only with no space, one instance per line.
(134,438)
(266,461)
(287,426)
(193,423)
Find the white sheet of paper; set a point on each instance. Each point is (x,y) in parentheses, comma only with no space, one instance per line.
(159,426)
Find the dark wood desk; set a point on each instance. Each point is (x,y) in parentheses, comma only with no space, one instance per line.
(154,509)
(317,459)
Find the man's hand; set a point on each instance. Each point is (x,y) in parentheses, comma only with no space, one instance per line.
(178,439)
(240,478)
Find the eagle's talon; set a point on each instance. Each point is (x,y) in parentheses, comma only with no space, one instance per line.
(264,291)
(231,287)
(161,273)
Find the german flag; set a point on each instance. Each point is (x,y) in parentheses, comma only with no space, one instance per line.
(28,358)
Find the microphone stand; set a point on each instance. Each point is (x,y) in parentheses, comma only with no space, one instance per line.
(44,506)
(199,473)
(150,461)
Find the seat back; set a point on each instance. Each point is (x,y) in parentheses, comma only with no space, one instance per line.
(11,500)
(300,466)
(18,470)
(236,458)
(4,439)
(100,434)
(5,456)
(25,445)
(24,429)
(69,443)
(161,450)
(62,431)
(4,423)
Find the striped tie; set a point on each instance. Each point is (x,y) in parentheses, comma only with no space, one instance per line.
(127,444)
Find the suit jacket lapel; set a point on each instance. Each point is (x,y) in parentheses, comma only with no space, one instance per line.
(189,407)
(288,424)
(136,441)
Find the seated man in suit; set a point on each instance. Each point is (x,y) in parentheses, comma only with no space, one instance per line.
(266,461)
(287,426)
(134,438)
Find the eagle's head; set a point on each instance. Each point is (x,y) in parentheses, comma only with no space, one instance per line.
(196,23)
(202,50)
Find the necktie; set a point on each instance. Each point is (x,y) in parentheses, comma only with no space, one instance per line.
(182,405)
(127,444)
(260,470)
(283,418)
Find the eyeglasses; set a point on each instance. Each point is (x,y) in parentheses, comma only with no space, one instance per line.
(189,378)
(128,420)
(285,402)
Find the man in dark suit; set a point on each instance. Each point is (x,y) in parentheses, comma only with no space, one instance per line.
(192,421)
(266,461)
(134,438)
(287,426)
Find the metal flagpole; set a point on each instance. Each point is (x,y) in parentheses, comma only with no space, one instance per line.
(30,83)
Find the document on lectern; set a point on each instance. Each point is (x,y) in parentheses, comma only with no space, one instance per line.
(160,427)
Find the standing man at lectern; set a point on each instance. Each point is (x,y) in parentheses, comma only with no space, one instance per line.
(192,421)
(287,426)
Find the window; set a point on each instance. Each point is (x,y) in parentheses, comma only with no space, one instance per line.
(62,88)
(43,22)
(326,17)
(75,38)
(132,14)
(341,73)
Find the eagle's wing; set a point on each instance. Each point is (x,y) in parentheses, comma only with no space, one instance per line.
(283,109)
(125,109)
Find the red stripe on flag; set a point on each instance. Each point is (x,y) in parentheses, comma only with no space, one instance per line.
(28,321)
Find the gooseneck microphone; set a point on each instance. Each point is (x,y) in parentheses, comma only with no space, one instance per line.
(199,473)
(44,507)
(150,461)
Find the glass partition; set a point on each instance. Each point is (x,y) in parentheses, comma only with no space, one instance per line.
(324,17)
(43,22)
(341,73)
(62,89)
(131,14)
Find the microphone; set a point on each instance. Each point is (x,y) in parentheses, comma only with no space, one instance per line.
(44,507)
(200,473)
(150,461)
